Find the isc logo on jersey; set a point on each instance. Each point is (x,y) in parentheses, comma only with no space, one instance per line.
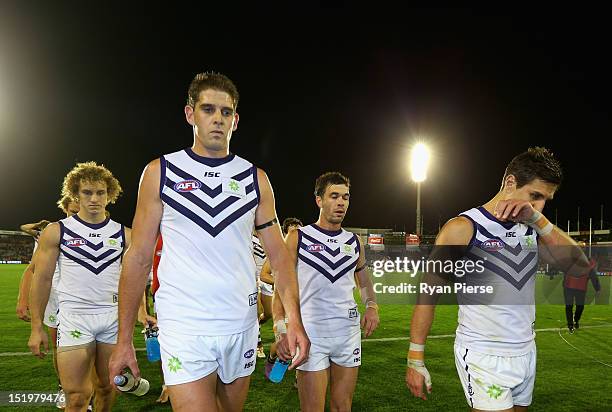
(78,242)
(187,186)
(492,245)
(316,247)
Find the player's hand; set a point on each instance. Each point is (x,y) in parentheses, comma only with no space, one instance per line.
(38,337)
(23,312)
(123,356)
(40,224)
(297,338)
(514,210)
(282,347)
(369,321)
(148,321)
(415,377)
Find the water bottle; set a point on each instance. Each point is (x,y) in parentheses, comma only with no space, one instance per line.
(153,353)
(127,383)
(278,370)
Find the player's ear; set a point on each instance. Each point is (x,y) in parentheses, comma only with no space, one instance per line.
(236,118)
(189,115)
(319,201)
(509,184)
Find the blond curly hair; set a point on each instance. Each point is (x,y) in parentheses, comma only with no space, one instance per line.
(90,172)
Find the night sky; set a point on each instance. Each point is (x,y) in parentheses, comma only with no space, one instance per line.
(320,90)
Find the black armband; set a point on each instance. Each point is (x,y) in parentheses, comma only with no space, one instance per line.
(267,224)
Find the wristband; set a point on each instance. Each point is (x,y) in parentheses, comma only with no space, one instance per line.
(372,304)
(416,347)
(539,223)
(279,328)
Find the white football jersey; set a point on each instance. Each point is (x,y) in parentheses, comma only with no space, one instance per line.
(90,263)
(505,325)
(326,277)
(206,277)
(259,255)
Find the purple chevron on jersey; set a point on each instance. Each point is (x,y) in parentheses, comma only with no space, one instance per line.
(195,218)
(95,270)
(332,278)
(517,283)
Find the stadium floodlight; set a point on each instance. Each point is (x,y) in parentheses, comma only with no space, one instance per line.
(419,160)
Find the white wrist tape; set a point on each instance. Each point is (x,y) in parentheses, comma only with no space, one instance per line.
(417,347)
(540,224)
(534,218)
(279,328)
(419,367)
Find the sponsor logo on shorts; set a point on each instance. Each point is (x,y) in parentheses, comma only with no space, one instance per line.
(174,364)
(76,334)
(115,298)
(494,391)
(353,313)
(492,245)
(249,364)
(316,247)
(187,186)
(249,354)
(253,299)
(470,390)
(356,352)
(52,318)
(356,360)
(76,242)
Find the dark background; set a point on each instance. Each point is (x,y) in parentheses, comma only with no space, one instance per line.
(320,90)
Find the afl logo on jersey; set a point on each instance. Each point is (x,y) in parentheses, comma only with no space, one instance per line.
(492,245)
(249,354)
(187,186)
(316,247)
(75,242)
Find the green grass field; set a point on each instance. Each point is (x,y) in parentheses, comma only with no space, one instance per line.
(568,379)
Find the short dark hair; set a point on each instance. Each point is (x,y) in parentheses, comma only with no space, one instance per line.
(291,221)
(535,163)
(211,80)
(328,179)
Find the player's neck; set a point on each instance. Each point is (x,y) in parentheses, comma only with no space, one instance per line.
(200,150)
(490,205)
(324,224)
(91,218)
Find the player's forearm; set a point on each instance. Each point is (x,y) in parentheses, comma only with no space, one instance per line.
(565,252)
(39,296)
(422,318)
(287,287)
(25,286)
(30,229)
(366,288)
(266,273)
(131,291)
(278,311)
